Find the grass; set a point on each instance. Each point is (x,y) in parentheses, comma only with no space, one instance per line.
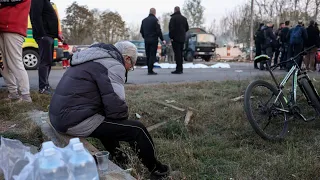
(219,143)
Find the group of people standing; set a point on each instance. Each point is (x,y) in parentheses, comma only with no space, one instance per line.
(151,32)
(287,42)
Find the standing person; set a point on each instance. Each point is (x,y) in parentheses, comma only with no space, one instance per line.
(151,32)
(297,36)
(278,43)
(258,40)
(313,40)
(269,40)
(45,28)
(13,28)
(178,27)
(284,43)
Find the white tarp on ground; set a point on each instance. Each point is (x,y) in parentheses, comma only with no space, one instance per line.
(188,66)
(221,65)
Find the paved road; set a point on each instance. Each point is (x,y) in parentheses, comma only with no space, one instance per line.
(238,71)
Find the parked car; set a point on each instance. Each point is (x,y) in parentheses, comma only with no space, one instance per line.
(142,58)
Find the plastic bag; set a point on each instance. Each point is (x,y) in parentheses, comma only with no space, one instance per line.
(27,172)
(12,157)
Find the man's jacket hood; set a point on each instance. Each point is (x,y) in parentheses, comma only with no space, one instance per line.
(97,52)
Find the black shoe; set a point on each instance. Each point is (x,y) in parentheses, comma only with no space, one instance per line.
(161,172)
(177,72)
(256,67)
(46,91)
(152,73)
(120,158)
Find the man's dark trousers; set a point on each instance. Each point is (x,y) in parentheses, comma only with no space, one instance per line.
(110,132)
(46,58)
(276,55)
(294,50)
(178,50)
(151,53)
(258,53)
(284,54)
(269,52)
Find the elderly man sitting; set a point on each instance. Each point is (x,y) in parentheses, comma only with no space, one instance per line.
(90,102)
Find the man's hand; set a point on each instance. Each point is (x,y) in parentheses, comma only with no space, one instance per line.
(60,37)
(164,42)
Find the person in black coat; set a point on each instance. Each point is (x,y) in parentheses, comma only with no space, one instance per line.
(284,44)
(44,22)
(151,32)
(178,27)
(313,40)
(258,40)
(269,41)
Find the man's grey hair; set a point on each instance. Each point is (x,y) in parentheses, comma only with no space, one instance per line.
(128,48)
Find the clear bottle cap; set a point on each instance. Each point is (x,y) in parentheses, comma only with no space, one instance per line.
(74,141)
(78,147)
(49,152)
(47,145)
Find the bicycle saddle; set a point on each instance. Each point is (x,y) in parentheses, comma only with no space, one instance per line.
(261,58)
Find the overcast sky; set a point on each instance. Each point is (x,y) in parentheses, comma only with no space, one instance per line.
(133,11)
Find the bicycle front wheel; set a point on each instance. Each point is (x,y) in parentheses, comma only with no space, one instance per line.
(266,110)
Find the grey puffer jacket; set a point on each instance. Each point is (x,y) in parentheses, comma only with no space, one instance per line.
(93,85)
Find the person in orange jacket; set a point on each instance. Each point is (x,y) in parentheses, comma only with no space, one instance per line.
(13,29)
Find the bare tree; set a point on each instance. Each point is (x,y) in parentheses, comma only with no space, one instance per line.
(194,10)
(317,4)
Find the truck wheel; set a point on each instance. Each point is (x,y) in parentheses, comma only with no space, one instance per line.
(31,59)
(189,56)
(207,58)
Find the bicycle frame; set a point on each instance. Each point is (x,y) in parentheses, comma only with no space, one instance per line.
(294,72)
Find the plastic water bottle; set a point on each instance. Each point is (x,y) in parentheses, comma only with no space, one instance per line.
(67,151)
(82,164)
(51,165)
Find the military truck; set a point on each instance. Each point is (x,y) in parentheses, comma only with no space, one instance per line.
(198,44)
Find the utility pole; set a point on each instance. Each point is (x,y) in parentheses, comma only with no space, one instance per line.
(251,32)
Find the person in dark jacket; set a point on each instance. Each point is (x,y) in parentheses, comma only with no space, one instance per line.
(151,32)
(313,40)
(284,44)
(269,40)
(258,40)
(297,37)
(44,22)
(89,101)
(178,27)
(277,45)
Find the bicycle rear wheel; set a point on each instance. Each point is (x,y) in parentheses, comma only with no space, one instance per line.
(265,112)
(309,92)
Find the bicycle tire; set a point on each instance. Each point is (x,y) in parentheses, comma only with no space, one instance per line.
(251,118)
(307,89)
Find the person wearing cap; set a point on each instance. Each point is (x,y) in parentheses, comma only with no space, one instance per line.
(89,101)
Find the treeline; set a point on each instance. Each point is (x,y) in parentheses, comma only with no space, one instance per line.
(235,25)
(85,26)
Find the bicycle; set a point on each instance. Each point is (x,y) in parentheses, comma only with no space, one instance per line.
(279,110)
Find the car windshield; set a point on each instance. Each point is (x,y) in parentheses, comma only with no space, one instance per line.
(140,45)
(205,38)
